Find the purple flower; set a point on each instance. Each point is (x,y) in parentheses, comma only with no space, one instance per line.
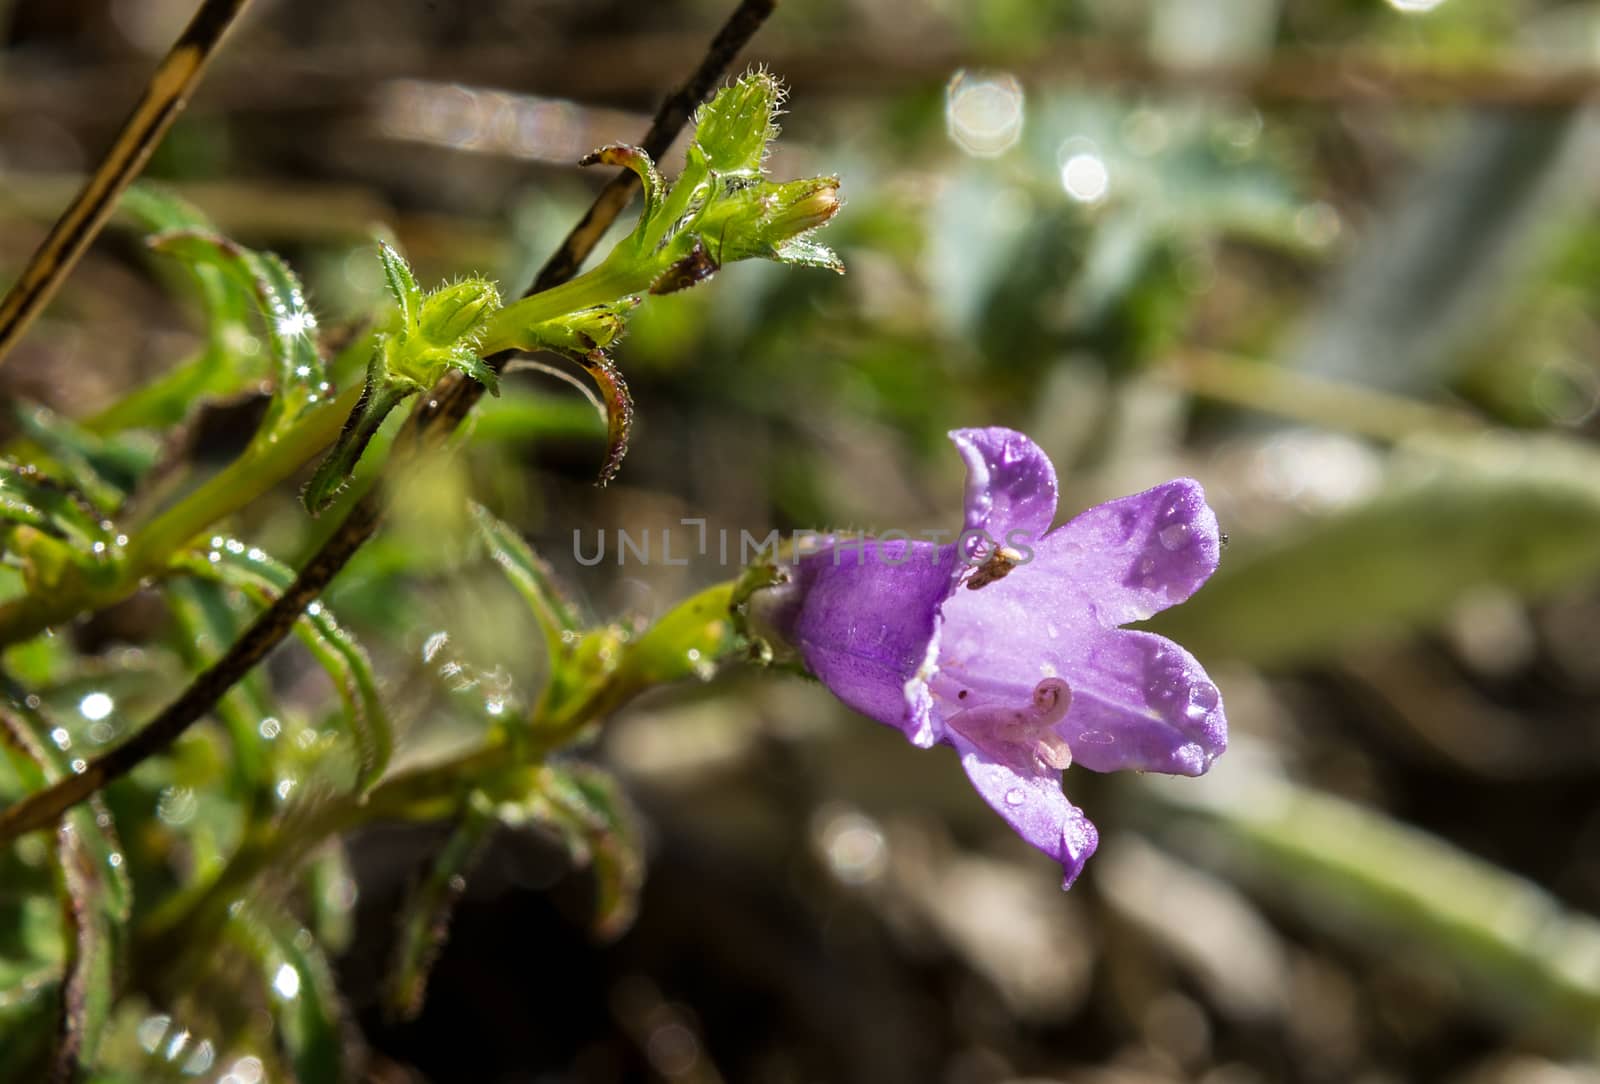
(1006,643)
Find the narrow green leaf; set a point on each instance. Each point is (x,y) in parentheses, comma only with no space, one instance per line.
(425,918)
(300,991)
(37,500)
(204,625)
(93,886)
(154,209)
(251,570)
(401,282)
(41,756)
(104,470)
(804,253)
(289,323)
(379,397)
(589,809)
(90,969)
(465,359)
(230,360)
(331,892)
(628,156)
(532,578)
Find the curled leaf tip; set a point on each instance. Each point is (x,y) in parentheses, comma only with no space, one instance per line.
(619,410)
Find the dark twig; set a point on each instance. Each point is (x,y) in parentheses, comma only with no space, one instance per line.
(164,98)
(431,425)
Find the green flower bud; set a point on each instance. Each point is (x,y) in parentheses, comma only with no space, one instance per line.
(803,206)
(733,129)
(765,219)
(451,313)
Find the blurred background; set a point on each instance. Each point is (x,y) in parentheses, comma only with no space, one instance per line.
(1337,260)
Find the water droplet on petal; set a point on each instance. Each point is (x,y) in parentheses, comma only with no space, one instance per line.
(1175,536)
(1097,737)
(1014,796)
(1203,699)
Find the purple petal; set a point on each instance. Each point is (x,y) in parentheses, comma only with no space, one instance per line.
(1141,702)
(1011,484)
(1138,700)
(1035,808)
(862,616)
(1135,556)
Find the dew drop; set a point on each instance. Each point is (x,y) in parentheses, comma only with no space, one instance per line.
(1147,565)
(95,706)
(200,1061)
(432,645)
(1014,796)
(1174,536)
(151,1030)
(1203,698)
(1097,737)
(286,983)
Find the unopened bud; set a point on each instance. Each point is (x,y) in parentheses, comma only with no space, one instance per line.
(452,312)
(802,206)
(733,129)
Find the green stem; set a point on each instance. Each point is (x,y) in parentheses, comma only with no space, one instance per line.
(619,275)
